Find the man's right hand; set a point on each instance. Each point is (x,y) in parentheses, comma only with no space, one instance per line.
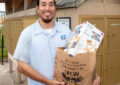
(32,73)
(54,82)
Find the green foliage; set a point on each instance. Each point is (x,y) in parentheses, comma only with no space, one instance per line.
(1,29)
(4,51)
(0,40)
(1,36)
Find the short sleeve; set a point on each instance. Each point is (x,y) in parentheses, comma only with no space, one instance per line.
(22,49)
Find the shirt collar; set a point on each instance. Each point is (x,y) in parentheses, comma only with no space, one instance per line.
(39,29)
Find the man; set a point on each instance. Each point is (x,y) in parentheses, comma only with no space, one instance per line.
(36,48)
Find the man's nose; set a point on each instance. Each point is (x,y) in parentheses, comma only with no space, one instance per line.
(47,7)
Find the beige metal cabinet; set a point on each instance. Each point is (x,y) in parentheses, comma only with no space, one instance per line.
(112,67)
(108,56)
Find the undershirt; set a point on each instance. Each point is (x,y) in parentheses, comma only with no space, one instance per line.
(49,30)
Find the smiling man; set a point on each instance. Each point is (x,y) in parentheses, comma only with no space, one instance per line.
(36,48)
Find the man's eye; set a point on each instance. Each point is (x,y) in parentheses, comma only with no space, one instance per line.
(43,4)
(51,4)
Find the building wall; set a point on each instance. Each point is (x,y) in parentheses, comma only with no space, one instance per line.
(24,9)
(28,12)
(91,7)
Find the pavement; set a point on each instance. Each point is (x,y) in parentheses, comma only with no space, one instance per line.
(7,78)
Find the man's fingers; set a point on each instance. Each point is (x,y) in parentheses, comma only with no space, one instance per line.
(97,81)
(57,83)
(61,83)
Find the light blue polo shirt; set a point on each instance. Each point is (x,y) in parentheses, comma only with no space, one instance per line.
(37,47)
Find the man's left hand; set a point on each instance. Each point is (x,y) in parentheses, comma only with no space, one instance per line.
(97,80)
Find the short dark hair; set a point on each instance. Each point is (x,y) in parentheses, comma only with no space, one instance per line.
(37,2)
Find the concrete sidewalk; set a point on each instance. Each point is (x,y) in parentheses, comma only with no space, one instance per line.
(7,78)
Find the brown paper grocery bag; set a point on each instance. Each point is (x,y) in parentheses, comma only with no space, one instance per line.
(76,70)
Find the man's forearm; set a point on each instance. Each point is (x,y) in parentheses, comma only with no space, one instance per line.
(32,73)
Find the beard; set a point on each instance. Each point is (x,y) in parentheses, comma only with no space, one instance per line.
(47,20)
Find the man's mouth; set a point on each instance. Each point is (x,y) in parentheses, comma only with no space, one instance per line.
(47,13)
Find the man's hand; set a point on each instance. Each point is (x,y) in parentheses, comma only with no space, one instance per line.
(54,82)
(97,80)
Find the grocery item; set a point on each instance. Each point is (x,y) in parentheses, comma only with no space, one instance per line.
(85,37)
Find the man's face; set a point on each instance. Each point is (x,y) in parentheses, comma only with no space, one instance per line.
(46,10)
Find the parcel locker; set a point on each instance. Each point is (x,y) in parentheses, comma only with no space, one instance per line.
(112,67)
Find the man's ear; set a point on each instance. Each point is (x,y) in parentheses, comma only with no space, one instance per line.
(37,8)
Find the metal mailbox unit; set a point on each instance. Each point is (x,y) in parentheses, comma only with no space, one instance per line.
(108,55)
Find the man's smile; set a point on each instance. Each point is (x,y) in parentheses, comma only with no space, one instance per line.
(47,13)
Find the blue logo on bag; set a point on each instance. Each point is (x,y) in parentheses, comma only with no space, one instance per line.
(63,37)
